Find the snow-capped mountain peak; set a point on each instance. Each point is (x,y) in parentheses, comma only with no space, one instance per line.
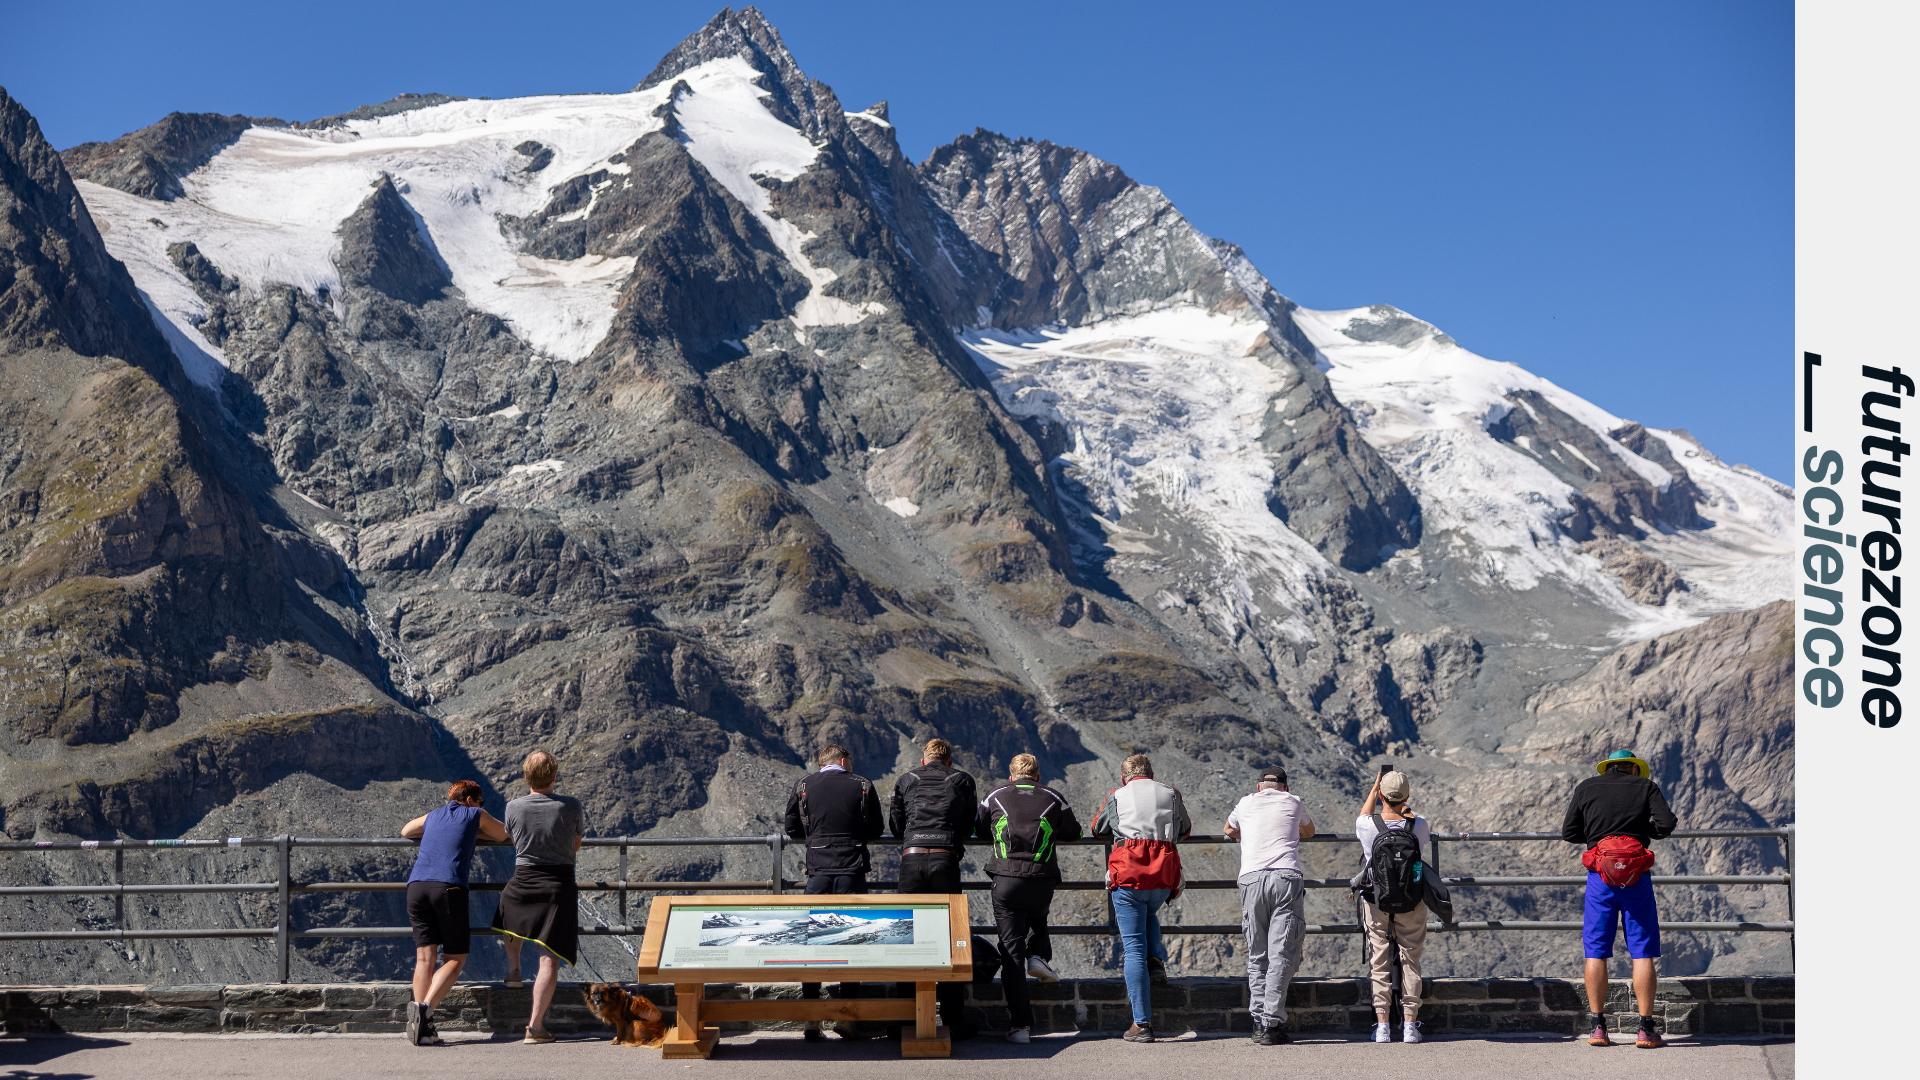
(834,918)
(746,35)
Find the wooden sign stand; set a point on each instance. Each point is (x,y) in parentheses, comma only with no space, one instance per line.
(693,1036)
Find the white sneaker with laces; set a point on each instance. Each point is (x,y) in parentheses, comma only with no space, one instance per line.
(1410,1031)
(1020,1035)
(1383,1032)
(1040,969)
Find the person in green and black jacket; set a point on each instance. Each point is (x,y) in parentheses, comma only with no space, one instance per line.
(1025,821)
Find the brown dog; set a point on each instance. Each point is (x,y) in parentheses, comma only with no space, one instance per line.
(635,1020)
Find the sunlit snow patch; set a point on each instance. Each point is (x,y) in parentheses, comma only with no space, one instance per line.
(730,132)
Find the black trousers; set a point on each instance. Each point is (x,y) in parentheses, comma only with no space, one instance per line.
(938,874)
(1020,910)
(834,885)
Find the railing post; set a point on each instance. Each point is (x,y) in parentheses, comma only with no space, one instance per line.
(1433,860)
(1786,841)
(623,881)
(283,937)
(1106,897)
(777,844)
(119,878)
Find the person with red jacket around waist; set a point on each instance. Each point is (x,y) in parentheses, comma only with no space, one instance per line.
(1615,814)
(1145,818)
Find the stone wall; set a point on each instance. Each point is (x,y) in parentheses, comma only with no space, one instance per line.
(1714,1006)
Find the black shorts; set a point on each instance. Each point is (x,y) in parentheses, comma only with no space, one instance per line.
(438,911)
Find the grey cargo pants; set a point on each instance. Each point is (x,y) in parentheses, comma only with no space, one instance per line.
(1273,917)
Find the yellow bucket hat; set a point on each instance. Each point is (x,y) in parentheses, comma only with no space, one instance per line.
(1620,756)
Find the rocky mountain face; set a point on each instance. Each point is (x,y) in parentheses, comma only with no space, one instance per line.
(160,658)
(683,429)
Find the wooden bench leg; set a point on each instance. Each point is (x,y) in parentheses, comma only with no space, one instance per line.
(688,1038)
(927,1040)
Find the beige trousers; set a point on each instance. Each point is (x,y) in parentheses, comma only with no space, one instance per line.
(1410,931)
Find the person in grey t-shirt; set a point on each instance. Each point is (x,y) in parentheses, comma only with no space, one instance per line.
(546,828)
(541,902)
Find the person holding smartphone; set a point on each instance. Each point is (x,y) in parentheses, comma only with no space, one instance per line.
(1392,840)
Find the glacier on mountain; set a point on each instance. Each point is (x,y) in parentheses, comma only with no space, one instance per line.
(1426,403)
(266,209)
(1167,407)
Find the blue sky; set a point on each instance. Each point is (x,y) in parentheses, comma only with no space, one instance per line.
(1601,193)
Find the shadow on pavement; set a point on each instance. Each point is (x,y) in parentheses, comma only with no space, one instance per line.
(785,1047)
(38,1049)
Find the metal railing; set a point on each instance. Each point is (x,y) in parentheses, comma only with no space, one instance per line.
(285,933)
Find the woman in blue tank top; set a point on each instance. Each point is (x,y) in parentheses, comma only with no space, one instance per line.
(437,898)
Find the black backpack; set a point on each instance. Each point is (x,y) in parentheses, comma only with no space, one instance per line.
(1395,870)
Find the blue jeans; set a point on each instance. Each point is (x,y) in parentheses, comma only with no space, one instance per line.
(1138,913)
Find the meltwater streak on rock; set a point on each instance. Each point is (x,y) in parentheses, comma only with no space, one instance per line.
(605,485)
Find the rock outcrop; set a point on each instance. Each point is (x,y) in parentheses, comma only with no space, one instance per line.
(151,162)
(385,247)
(1712,704)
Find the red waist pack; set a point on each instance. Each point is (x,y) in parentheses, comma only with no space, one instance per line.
(1619,860)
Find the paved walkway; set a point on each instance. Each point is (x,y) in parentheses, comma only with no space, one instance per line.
(786,1057)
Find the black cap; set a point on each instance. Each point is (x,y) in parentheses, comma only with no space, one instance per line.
(1275,775)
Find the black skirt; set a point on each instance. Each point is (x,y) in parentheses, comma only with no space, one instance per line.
(541,904)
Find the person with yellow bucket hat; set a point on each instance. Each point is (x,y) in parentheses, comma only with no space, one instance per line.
(1614,815)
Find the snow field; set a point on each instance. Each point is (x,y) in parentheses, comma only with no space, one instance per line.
(731,133)
(1426,406)
(266,209)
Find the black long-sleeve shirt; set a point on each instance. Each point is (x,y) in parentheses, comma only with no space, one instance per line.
(1616,804)
(837,813)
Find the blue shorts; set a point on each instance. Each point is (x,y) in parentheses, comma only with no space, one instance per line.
(1608,907)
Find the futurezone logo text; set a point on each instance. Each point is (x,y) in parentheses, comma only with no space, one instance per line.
(1872,533)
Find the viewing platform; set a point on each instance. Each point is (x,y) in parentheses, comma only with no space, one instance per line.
(786,1057)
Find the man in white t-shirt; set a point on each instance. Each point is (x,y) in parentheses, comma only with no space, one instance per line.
(1269,825)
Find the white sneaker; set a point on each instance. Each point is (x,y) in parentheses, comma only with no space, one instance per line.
(1409,1031)
(1383,1032)
(1040,969)
(1020,1035)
